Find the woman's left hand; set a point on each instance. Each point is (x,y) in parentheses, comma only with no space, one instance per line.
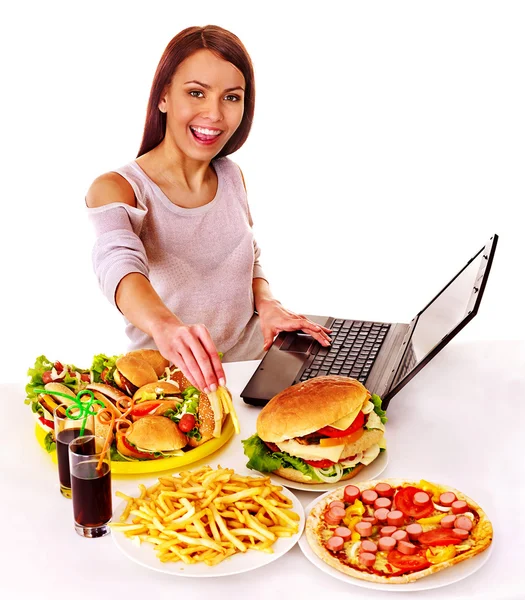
(274,318)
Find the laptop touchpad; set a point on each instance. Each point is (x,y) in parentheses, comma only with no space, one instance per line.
(297,342)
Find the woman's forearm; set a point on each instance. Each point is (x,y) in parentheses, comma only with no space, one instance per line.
(141,305)
(262,293)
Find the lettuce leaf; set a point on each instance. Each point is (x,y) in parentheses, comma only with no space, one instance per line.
(49,442)
(376,400)
(42,364)
(101,362)
(263,459)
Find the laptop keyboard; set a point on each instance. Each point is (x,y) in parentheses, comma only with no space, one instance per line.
(355,346)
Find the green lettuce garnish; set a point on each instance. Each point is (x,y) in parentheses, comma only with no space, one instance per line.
(263,459)
(376,400)
(189,404)
(49,442)
(43,364)
(102,362)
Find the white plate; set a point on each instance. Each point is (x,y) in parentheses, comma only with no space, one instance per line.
(238,563)
(437,580)
(372,471)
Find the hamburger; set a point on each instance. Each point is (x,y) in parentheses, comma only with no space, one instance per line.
(150,438)
(130,371)
(322,430)
(153,357)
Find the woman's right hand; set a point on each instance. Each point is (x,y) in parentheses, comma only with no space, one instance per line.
(192,350)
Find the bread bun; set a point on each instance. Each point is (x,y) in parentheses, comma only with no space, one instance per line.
(110,396)
(55,386)
(369,438)
(307,406)
(207,421)
(136,370)
(159,388)
(152,357)
(158,434)
(297,476)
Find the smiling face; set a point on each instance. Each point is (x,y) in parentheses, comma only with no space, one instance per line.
(204,105)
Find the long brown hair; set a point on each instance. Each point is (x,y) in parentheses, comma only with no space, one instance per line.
(223,43)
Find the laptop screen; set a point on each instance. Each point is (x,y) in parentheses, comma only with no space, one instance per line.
(444,316)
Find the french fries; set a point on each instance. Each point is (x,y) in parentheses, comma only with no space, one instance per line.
(207,515)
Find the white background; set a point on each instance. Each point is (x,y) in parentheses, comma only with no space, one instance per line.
(388,145)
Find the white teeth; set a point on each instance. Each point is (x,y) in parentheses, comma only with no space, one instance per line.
(206,131)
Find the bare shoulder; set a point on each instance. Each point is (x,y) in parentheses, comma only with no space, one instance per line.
(108,188)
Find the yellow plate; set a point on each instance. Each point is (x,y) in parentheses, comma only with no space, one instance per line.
(161,464)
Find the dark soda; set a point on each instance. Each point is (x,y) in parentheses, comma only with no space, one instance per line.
(91,491)
(63,439)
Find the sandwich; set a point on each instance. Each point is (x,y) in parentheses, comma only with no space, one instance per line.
(156,399)
(68,378)
(130,371)
(323,430)
(150,438)
(175,398)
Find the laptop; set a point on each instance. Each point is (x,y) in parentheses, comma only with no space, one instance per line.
(384,357)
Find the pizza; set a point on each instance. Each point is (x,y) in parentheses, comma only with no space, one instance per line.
(396,531)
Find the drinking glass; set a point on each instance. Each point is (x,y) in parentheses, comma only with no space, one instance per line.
(67,429)
(90,467)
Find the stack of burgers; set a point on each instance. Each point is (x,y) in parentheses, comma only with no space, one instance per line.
(322,430)
(167,413)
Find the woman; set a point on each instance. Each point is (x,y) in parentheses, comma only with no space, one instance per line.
(175,250)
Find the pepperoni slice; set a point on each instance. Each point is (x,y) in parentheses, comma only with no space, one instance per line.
(406,547)
(338,512)
(387,543)
(351,493)
(463,523)
(383,503)
(459,506)
(414,530)
(404,501)
(384,489)
(414,562)
(447,498)
(363,528)
(421,499)
(438,537)
(461,533)
(400,535)
(369,496)
(331,518)
(381,514)
(344,533)
(335,543)
(395,518)
(448,521)
(367,559)
(388,530)
(368,546)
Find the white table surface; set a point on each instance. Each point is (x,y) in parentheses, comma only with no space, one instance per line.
(459,422)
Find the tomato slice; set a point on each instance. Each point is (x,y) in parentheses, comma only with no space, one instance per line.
(273,447)
(339,441)
(141,410)
(359,421)
(136,453)
(46,422)
(404,501)
(438,537)
(320,464)
(408,562)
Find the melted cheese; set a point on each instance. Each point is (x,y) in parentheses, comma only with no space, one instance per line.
(345,422)
(374,422)
(312,451)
